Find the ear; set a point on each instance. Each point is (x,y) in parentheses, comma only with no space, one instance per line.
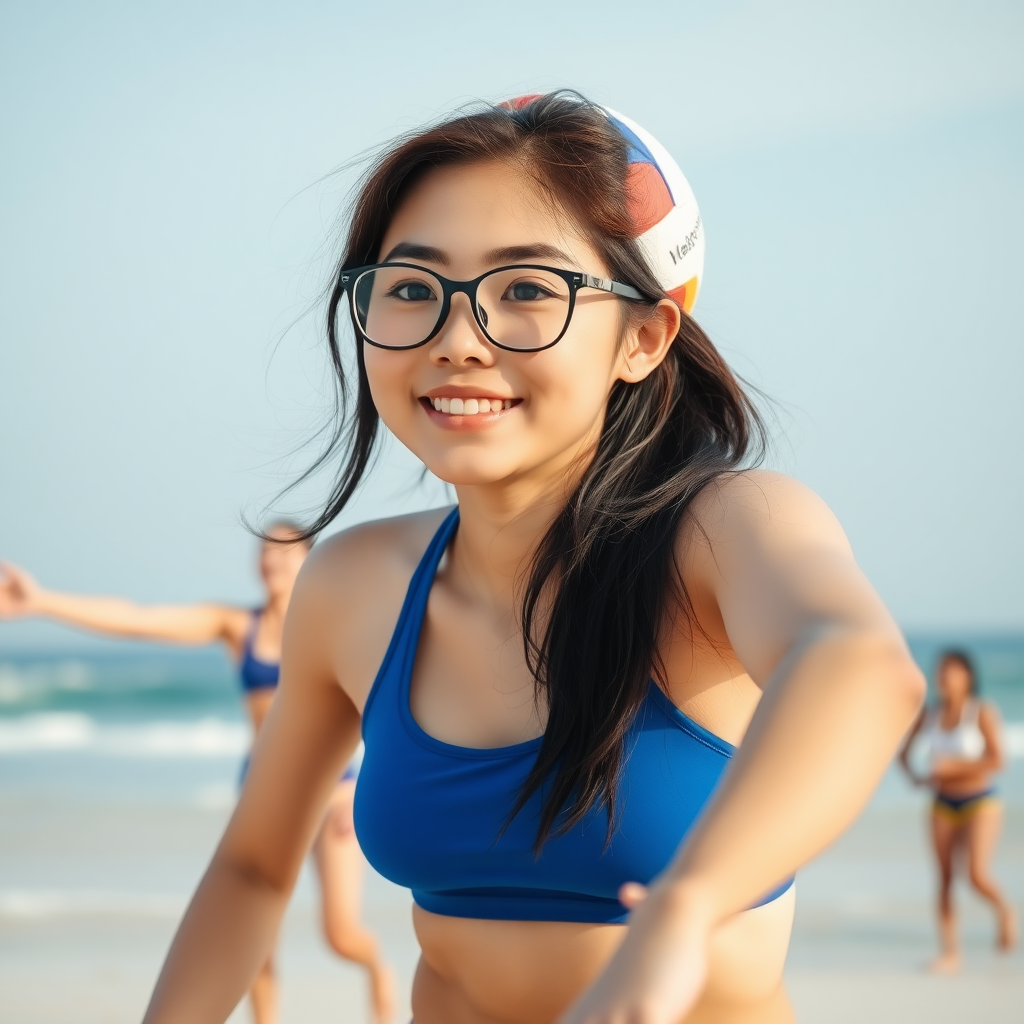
(645,346)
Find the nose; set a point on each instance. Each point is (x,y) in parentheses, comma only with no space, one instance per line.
(460,341)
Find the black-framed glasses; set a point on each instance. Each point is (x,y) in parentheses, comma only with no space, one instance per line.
(521,308)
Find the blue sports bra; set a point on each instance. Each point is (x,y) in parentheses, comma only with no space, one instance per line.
(254,673)
(428,814)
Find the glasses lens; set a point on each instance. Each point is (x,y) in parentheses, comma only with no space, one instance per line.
(397,306)
(523,308)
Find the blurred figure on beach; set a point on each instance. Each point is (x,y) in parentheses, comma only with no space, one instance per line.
(964,745)
(253,639)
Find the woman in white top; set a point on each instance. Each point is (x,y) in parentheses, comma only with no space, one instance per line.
(965,750)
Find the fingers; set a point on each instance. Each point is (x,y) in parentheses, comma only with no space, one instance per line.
(14,578)
(631,894)
(341,820)
(12,590)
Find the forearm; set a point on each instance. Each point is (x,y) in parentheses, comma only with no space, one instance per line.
(225,936)
(115,616)
(957,771)
(827,727)
(904,762)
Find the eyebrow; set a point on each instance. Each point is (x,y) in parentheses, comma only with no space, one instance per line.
(496,257)
(415,251)
(519,253)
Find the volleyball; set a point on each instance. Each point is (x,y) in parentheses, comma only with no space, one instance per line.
(662,206)
(665,211)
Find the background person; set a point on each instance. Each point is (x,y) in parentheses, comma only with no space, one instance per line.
(253,639)
(965,750)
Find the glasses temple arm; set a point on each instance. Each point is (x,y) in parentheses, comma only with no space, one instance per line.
(604,284)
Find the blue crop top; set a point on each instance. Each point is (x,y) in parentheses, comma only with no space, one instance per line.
(428,813)
(254,673)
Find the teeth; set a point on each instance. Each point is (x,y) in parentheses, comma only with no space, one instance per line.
(470,406)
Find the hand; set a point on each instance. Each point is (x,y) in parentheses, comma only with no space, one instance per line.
(941,770)
(339,815)
(660,969)
(19,592)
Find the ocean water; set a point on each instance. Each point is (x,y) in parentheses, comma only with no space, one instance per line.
(168,723)
(154,730)
(150,725)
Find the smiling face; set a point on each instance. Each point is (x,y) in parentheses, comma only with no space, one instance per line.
(472,412)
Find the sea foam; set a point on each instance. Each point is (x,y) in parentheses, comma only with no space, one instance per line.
(72,732)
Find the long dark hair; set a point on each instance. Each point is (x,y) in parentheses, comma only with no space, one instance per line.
(594,603)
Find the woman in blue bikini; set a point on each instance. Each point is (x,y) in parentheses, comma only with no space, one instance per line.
(615,698)
(253,638)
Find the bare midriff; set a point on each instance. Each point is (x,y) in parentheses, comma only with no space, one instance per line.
(528,972)
(257,703)
(968,784)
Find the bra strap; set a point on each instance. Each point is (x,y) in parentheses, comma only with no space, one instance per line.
(410,618)
(423,578)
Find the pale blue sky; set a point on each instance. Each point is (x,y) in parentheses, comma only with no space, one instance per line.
(859,168)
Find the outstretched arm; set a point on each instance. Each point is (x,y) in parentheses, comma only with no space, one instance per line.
(22,597)
(840,691)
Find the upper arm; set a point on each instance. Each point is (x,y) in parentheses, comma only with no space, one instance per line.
(344,606)
(991,728)
(309,734)
(908,740)
(775,569)
(194,623)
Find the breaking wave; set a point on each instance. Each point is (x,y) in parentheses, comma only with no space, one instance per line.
(71,732)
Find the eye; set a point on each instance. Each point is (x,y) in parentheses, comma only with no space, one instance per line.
(527,291)
(412,291)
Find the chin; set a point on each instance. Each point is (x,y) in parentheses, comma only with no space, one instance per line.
(474,471)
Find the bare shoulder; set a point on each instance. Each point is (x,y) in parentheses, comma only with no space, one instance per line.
(235,624)
(758,506)
(358,568)
(350,592)
(988,714)
(381,546)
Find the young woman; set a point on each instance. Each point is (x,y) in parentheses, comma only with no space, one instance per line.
(964,744)
(552,677)
(253,638)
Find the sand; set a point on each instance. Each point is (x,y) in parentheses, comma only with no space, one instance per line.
(90,894)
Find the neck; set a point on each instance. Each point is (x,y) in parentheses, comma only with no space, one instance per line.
(277,603)
(500,526)
(956,704)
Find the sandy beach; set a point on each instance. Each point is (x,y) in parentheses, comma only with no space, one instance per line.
(117,775)
(91,893)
